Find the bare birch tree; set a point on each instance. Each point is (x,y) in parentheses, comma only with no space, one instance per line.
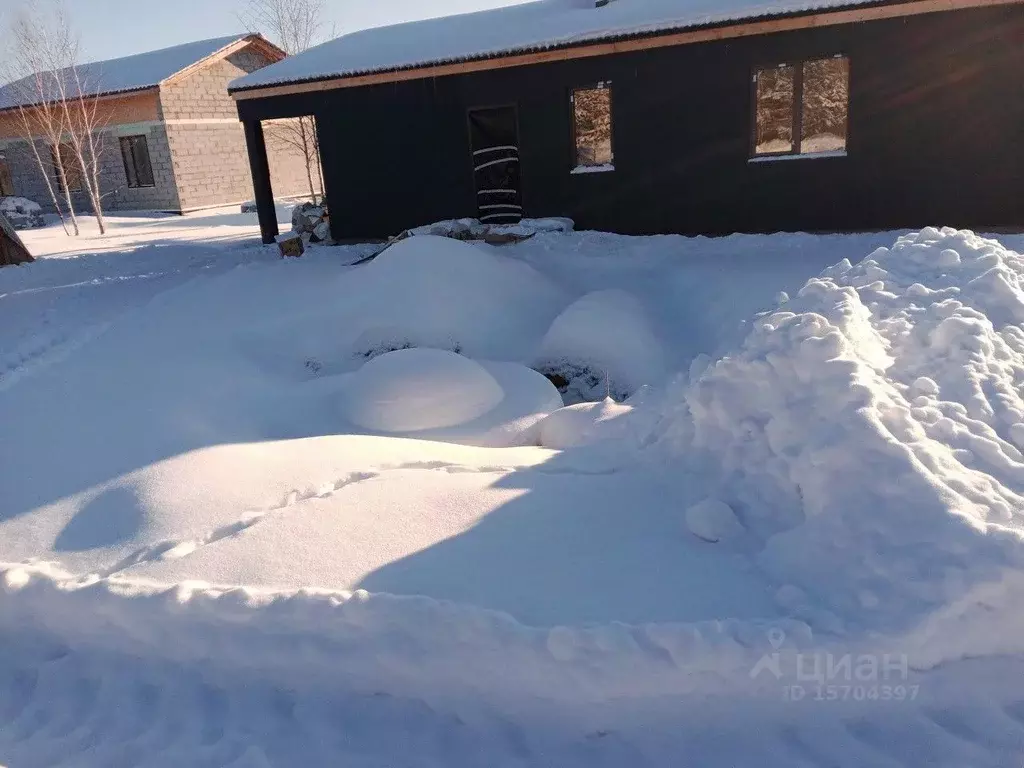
(39,114)
(63,106)
(296,26)
(84,121)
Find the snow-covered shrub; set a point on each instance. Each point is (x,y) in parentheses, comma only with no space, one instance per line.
(579,383)
(22,212)
(601,345)
(429,291)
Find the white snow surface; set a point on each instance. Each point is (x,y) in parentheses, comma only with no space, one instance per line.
(203,562)
(409,390)
(516,28)
(129,73)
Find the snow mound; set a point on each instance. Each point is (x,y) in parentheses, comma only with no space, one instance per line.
(713,520)
(868,429)
(515,421)
(410,390)
(608,334)
(582,424)
(439,292)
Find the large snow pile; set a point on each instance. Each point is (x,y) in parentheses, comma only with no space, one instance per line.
(414,389)
(437,292)
(603,341)
(869,428)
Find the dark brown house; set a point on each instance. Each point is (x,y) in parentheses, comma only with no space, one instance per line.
(657,116)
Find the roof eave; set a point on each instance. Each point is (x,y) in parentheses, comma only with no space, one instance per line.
(123,92)
(538,53)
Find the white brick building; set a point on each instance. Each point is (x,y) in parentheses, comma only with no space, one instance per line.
(171,139)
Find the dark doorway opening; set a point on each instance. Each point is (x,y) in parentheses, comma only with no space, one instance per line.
(494,142)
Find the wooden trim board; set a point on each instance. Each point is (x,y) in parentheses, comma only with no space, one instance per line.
(747,29)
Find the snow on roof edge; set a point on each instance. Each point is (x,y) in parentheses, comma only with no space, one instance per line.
(653,29)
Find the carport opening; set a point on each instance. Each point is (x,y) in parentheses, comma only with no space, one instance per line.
(293,154)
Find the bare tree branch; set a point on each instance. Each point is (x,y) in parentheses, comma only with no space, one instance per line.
(296,26)
(40,114)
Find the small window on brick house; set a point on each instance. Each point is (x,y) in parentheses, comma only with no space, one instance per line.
(592,128)
(63,158)
(6,182)
(137,167)
(802,109)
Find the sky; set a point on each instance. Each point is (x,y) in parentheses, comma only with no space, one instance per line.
(112,28)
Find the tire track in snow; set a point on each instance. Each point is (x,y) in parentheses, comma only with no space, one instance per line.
(52,351)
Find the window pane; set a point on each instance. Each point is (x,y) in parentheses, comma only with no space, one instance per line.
(129,162)
(592,126)
(826,104)
(143,167)
(774,111)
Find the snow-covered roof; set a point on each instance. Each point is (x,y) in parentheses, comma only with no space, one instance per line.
(129,73)
(521,28)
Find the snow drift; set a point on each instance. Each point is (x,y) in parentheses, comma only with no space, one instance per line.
(868,429)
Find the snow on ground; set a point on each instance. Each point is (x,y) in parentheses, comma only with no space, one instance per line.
(210,562)
(79,285)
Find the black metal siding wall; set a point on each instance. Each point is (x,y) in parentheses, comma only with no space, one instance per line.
(936,136)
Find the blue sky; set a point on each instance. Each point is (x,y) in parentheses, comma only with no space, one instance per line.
(111,28)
